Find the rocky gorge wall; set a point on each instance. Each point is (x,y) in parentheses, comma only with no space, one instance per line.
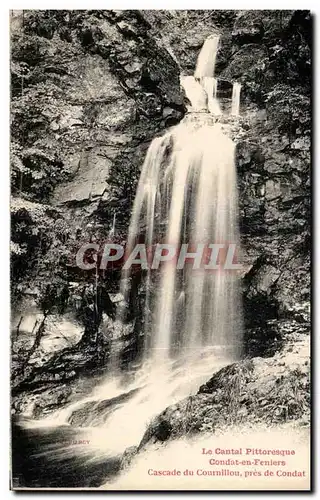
(90,90)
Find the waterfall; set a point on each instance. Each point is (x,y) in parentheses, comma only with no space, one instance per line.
(235,107)
(196,94)
(192,322)
(201,89)
(187,193)
(207,57)
(210,86)
(192,170)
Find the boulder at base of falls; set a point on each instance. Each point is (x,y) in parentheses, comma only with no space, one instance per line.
(44,396)
(95,413)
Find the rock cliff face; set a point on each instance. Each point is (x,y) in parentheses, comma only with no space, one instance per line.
(269,53)
(111,88)
(90,90)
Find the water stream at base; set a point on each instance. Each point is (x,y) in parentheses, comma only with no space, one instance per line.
(151,390)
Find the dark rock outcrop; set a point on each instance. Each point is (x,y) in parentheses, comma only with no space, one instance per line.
(96,413)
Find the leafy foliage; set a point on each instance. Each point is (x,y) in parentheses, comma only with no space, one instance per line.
(40,59)
(289,108)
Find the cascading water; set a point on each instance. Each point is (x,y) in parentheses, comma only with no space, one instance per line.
(193,170)
(235,106)
(187,194)
(196,94)
(201,89)
(207,57)
(210,86)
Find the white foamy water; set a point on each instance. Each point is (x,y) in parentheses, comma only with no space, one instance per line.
(201,89)
(207,57)
(157,386)
(201,181)
(210,86)
(196,94)
(235,107)
(113,227)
